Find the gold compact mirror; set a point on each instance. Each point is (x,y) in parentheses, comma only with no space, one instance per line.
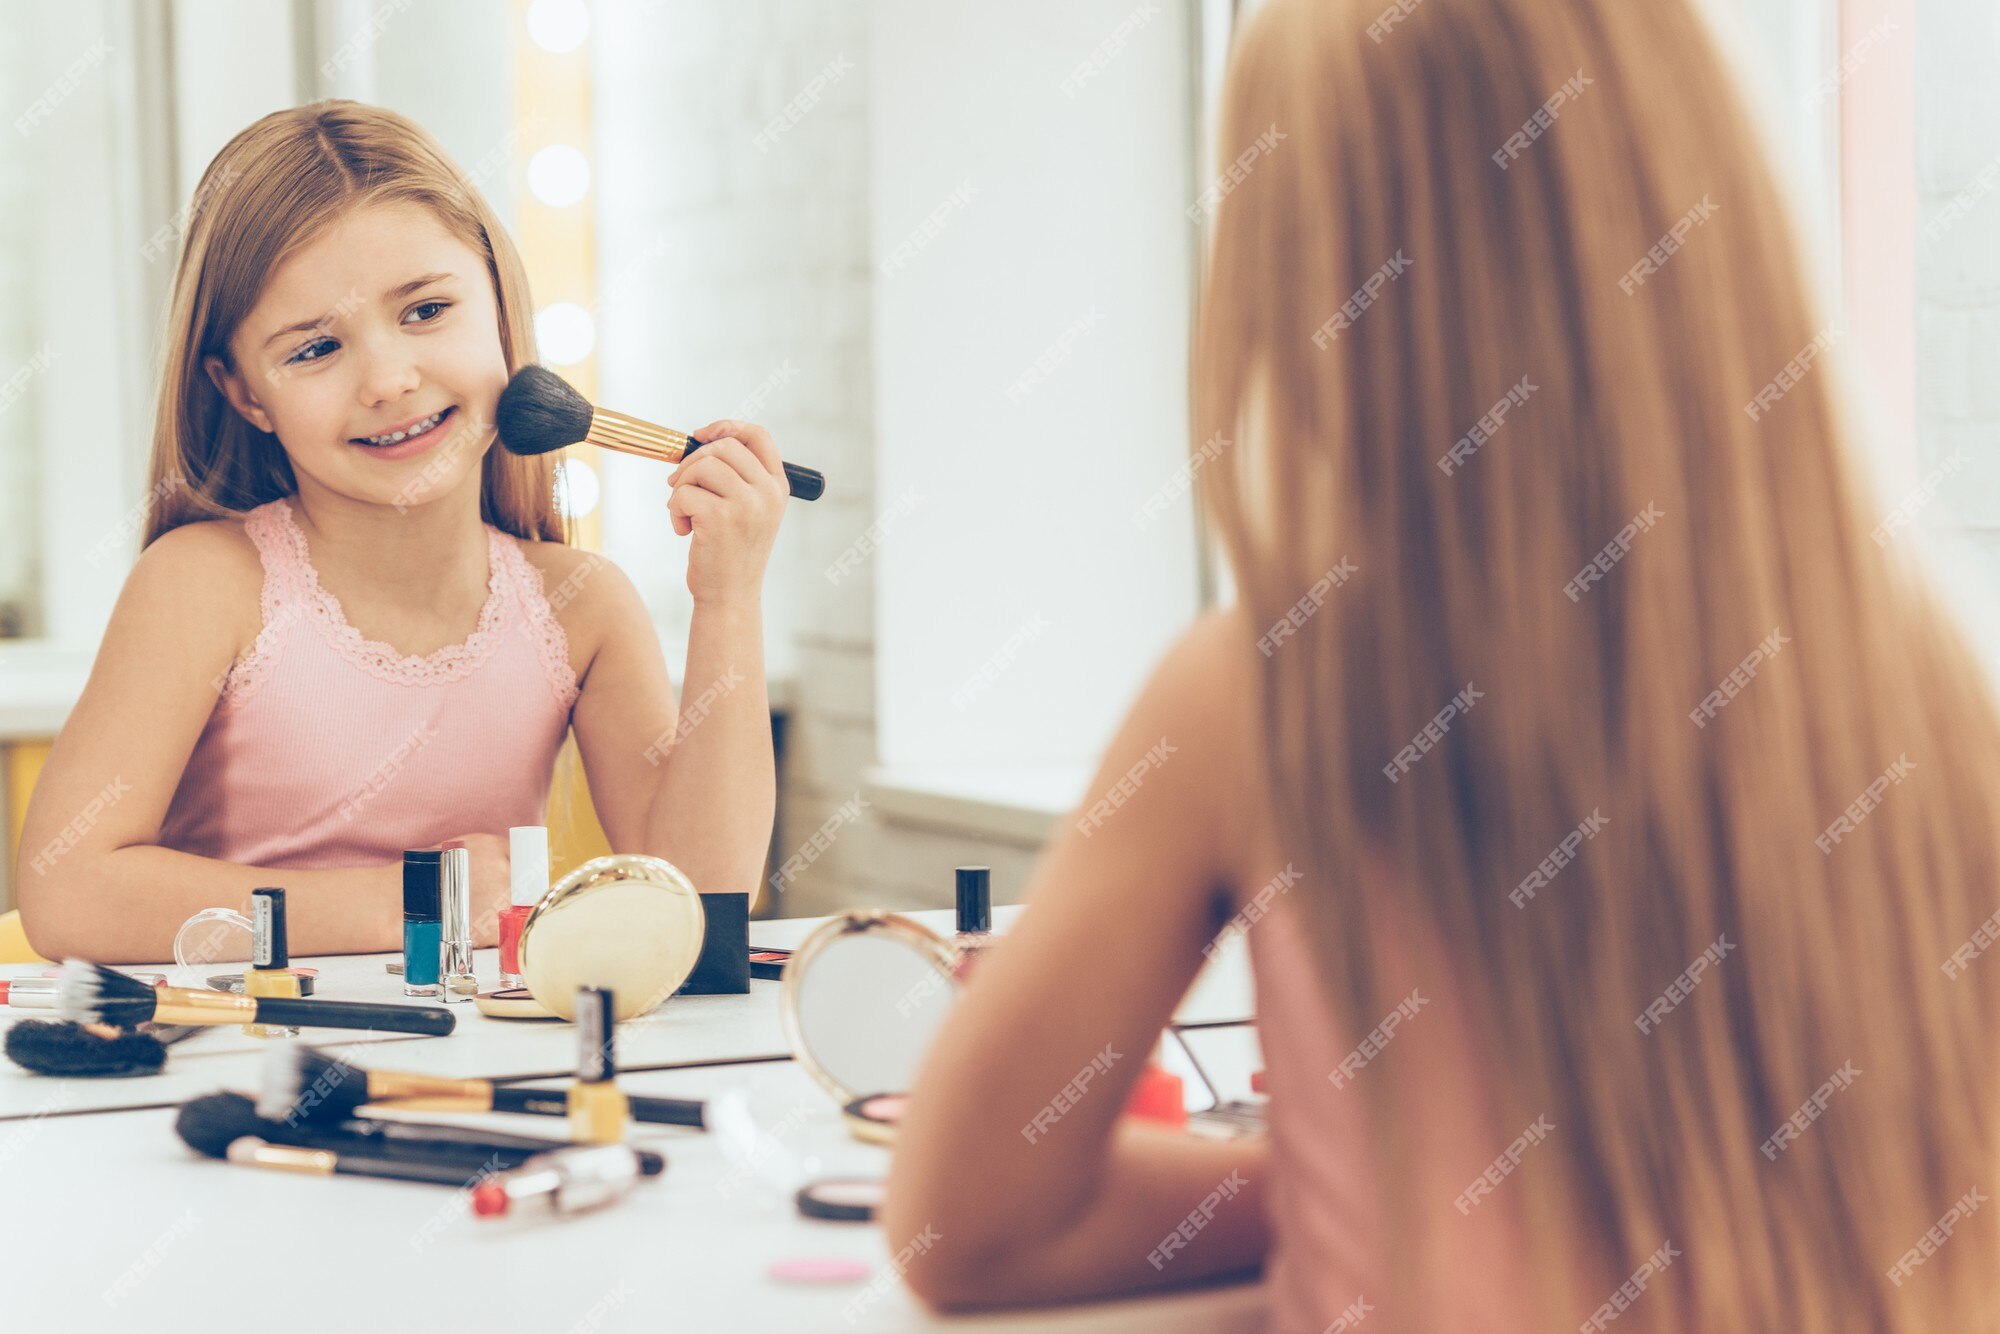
(628,922)
(862,999)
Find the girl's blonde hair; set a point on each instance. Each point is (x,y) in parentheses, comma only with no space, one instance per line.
(273,188)
(1466,208)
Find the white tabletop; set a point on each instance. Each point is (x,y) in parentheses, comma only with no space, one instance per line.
(686,1030)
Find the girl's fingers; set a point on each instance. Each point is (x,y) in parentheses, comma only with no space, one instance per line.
(689,503)
(713,474)
(737,455)
(754,437)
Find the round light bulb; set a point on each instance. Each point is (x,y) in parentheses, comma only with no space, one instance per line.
(558,25)
(559,175)
(565,332)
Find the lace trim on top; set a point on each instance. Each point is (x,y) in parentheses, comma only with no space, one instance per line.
(292,591)
(542,628)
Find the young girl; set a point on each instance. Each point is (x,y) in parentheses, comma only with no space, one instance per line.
(1620,762)
(355,627)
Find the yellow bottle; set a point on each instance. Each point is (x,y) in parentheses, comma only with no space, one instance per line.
(270,972)
(597,1106)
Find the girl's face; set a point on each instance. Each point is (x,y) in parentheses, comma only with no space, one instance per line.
(385,326)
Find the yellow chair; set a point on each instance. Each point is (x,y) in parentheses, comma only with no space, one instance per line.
(14,941)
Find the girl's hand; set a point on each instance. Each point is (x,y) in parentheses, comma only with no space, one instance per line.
(492,888)
(730,494)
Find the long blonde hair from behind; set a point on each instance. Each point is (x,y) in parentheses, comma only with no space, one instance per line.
(1424,240)
(272,189)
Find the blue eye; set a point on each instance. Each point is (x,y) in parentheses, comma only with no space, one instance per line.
(300,356)
(439,306)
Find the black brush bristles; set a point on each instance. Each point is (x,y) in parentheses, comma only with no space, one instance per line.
(90,993)
(304,1084)
(539,411)
(210,1124)
(64,1049)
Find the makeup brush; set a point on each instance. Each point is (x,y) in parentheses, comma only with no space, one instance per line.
(63,1049)
(224,1126)
(308,1085)
(540,411)
(91,993)
(210,1121)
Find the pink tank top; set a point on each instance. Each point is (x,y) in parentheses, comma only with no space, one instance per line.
(1331,1228)
(329,750)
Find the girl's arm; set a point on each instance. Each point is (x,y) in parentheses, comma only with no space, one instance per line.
(91,879)
(698,787)
(1029,1190)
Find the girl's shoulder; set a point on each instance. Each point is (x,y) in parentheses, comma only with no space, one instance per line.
(591,597)
(209,573)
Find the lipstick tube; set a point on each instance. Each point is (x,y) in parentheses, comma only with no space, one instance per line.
(566,1181)
(455,893)
(528,874)
(270,974)
(597,1106)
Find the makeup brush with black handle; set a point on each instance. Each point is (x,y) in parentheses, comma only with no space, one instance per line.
(223,1126)
(540,411)
(301,1083)
(91,993)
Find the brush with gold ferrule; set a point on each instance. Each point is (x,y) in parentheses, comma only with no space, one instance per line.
(90,993)
(308,1085)
(540,411)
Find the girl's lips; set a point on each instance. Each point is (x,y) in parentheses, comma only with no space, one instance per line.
(416,444)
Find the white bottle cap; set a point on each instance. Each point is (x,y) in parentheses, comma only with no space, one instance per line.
(528,863)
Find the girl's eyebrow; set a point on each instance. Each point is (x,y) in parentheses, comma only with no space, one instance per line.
(395,293)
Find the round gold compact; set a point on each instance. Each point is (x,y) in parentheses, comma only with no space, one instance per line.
(630,923)
(862,999)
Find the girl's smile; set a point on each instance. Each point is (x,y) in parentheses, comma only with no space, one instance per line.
(417,436)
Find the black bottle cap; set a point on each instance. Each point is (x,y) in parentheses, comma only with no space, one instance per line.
(269,948)
(420,886)
(596,1034)
(975,898)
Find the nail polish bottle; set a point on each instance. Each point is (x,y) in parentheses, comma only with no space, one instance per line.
(423,927)
(528,872)
(597,1106)
(455,900)
(975,915)
(270,971)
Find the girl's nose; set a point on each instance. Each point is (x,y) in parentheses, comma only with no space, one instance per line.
(386,378)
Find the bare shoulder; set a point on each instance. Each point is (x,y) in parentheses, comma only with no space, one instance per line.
(592,598)
(204,574)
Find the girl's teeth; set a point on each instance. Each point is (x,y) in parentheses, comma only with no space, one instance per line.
(397,437)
